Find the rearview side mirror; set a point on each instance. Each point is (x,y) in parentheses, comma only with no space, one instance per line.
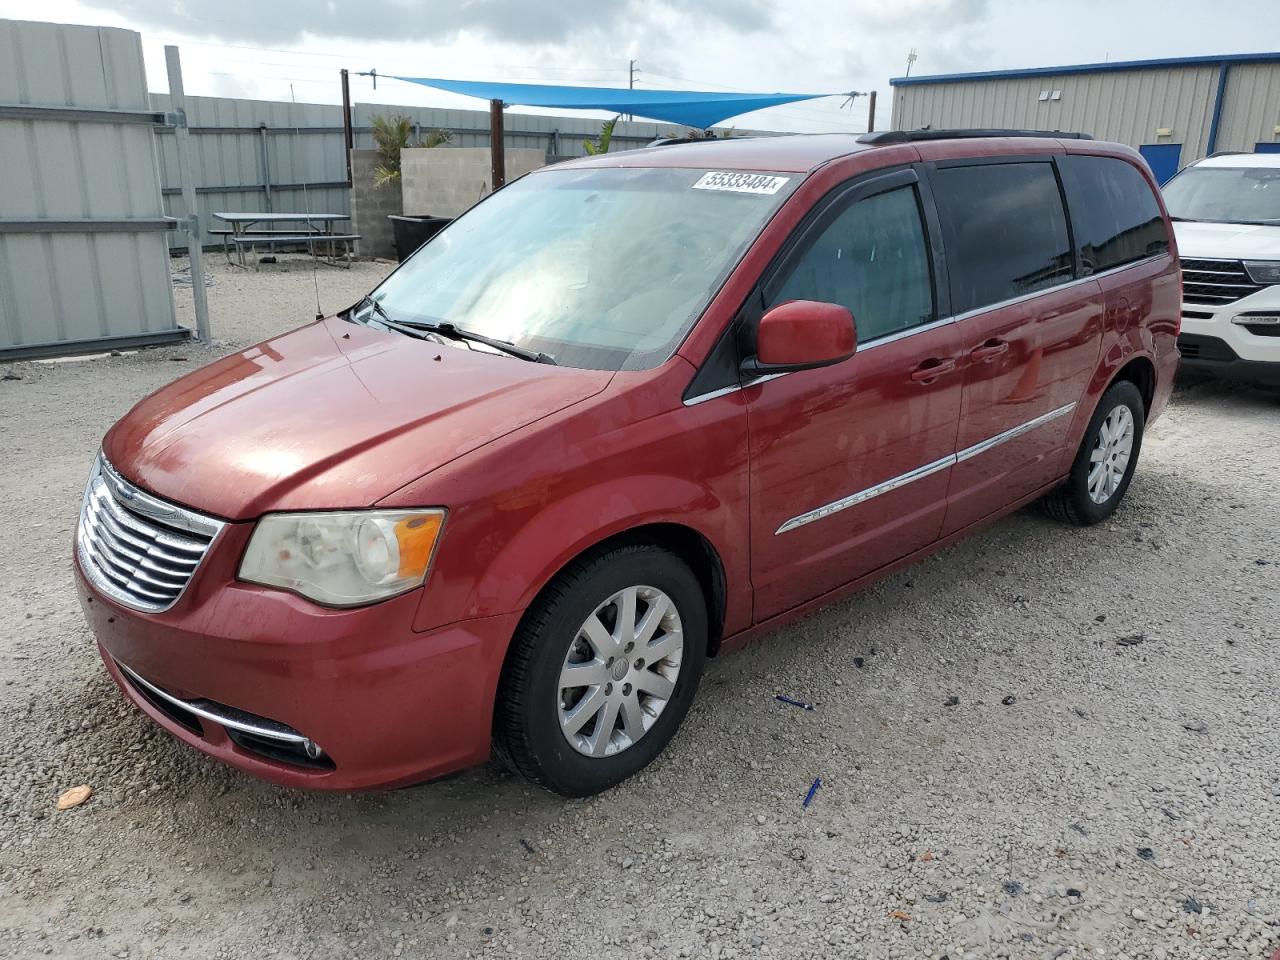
(801,335)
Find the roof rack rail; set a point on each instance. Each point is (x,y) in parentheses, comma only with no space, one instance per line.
(673,141)
(886,137)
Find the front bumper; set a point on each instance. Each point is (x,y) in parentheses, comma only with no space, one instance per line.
(386,706)
(1213,357)
(1220,341)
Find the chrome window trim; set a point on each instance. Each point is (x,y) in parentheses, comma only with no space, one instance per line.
(732,388)
(281,733)
(919,473)
(1024,298)
(942,322)
(903,334)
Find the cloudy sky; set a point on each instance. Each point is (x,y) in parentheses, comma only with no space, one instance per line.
(262,48)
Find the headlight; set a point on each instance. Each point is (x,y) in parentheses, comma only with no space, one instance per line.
(343,559)
(1263,271)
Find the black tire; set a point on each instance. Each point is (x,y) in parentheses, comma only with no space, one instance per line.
(527,735)
(1071,502)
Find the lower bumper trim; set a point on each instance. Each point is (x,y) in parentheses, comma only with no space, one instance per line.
(228,717)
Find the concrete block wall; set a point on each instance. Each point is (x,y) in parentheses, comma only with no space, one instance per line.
(446,181)
(370,207)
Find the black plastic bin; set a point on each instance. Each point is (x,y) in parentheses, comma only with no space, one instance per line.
(413,232)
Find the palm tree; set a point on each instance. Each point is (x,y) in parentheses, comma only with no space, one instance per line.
(601,145)
(391,134)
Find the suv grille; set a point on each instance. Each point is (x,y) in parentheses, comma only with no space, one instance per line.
(1215,282)
(136,548)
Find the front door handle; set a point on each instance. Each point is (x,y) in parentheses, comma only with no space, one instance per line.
(989,350)
(931,369)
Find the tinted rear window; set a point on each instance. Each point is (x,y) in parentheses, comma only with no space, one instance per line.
(1005,231)
(1114,213)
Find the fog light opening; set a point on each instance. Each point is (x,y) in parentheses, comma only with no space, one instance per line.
(312,749)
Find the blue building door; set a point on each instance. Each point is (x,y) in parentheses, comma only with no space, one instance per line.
(1163,158)
(1266,148)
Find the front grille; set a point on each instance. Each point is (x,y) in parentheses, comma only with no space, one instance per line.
(1214,283)
(1195,347)
(136,548)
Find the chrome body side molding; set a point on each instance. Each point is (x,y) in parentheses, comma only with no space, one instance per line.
(919,473)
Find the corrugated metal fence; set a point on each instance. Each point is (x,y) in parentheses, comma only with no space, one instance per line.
(82,235)
(288,157)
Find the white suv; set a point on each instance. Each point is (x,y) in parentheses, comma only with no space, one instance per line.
(1226,213)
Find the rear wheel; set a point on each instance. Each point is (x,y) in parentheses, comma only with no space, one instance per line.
(602,670)
(1104,465)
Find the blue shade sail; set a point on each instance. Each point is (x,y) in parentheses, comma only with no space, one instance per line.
(693,108)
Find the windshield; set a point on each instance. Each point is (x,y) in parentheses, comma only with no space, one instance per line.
(1225,194)
(598,268)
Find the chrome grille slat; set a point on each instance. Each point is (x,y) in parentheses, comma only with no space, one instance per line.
(156,570)
(1215,283)
(123,574)
(102,533)
(112,527)
(136,548)
(143,528)
(103,519)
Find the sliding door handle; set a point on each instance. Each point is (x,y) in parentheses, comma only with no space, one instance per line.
(989,350)
(931,369)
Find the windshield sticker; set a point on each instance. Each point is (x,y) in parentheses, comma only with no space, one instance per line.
(741,182)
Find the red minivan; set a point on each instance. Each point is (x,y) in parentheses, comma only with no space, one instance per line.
(622,416)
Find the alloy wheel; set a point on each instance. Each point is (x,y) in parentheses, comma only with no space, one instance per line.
(1109,458)
(620,671)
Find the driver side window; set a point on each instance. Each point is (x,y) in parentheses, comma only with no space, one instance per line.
(872,259)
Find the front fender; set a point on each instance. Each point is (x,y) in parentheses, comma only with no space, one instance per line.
(524,507)
(570,526)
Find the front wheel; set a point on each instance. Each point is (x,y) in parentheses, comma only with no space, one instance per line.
(602,670)
(1104,464)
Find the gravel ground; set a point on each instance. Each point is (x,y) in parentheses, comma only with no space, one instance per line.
(1044,742)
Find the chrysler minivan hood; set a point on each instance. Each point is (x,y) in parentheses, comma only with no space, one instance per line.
(331,415)
(1226,241)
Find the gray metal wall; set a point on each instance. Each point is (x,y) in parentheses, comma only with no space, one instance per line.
(1251,109)
(302,144)
(100,277)
(1128,106)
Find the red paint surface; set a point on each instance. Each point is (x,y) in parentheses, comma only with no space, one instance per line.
(537,464)
(805,332)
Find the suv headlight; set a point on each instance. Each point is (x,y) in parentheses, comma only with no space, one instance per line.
(343,559)
(1263,271)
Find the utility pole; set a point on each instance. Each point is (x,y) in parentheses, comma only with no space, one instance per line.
(631,81)
(871,111)
(497,145)
(347,136)
(911,58)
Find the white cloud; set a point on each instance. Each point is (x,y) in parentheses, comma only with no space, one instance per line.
(260,49)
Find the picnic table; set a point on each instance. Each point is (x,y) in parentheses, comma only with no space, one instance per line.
(249,228)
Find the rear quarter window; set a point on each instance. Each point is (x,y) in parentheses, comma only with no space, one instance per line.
(1114,212)
(1005,231)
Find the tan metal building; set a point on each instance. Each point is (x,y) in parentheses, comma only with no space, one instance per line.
(1174,111)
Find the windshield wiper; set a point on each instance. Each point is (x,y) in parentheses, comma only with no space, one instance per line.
(423,330)
(378,308)
(446,329)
